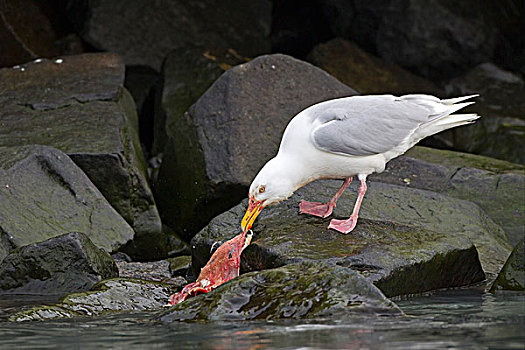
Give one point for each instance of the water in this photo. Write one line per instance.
(446, 320)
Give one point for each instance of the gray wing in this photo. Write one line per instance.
(366, 126)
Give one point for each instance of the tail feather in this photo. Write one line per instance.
(455, 100)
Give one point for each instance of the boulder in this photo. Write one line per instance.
(406, 240)
(512, 275)
(436, 38)
(26, 33)
(110, 296)
(65, 264)
(500, 131)
(186, 74)
(126, 27)
(43, 194)
(366, 73)
(152, 271)
(498, 187)
(78, 105)
(297, 291)
(230, 132)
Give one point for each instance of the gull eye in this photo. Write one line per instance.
(262, 189)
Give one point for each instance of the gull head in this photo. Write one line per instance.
(272, 185)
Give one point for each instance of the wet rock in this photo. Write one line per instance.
(498, 187)
(78, 105)
(366, 73)
(297, 291)
(500, 133)
(186, 74)
(230, 132)
(25, 33)
(436, 38)
(124, 27)
(407, 240)
(512, 275)
(43, 194)
(64, 264)
(151, 271)
(114, 295)
(180, 265)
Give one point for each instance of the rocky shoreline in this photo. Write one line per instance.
(114, 178)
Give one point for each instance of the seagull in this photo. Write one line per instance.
(347, 137)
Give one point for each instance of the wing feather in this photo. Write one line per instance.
(368, 125)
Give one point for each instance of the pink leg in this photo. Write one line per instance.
(345, 226)
(320, 209)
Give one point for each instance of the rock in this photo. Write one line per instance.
(141, 82)
(78, 105)
(43, 194)
(230, 132)
(186, 74)
(180, 265)
(110, 296)
(512, 275)
(25, 33)
(499, 185)
(297, 291)
(297, 26)
(366, 73)
(500, 132)
(65, 264)
(126, 27)
(152, 271)
(435, 38)
(407, 240)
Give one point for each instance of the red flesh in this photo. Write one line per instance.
(224, 265)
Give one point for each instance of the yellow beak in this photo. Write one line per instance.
(254, 209)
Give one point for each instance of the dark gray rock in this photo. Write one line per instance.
(512, 275)
(407, 240)
(110, 296)
(186, 74)
(144, 31)
(498, 187)
(78, 105)
(43, 194)
(180, 265)
(230, 132)
(151, 271)
(500, 133)
(436, 38)
(298, 291)
(366, 73)
(64, 264)
(26, 33)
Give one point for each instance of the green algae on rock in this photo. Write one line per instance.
(512, 275)
(43, 194)
(64, 264)
(403, 235)
(306, 290)
(497, 186)
(109, 296)
(213, 152)
(78, 104)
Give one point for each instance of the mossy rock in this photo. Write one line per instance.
(406, 240)
(43, 194)
(78, 104)
(109, 296)
(497, 186)
(512, 275)
(305, 290)
(60, 265)
(219, 145)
